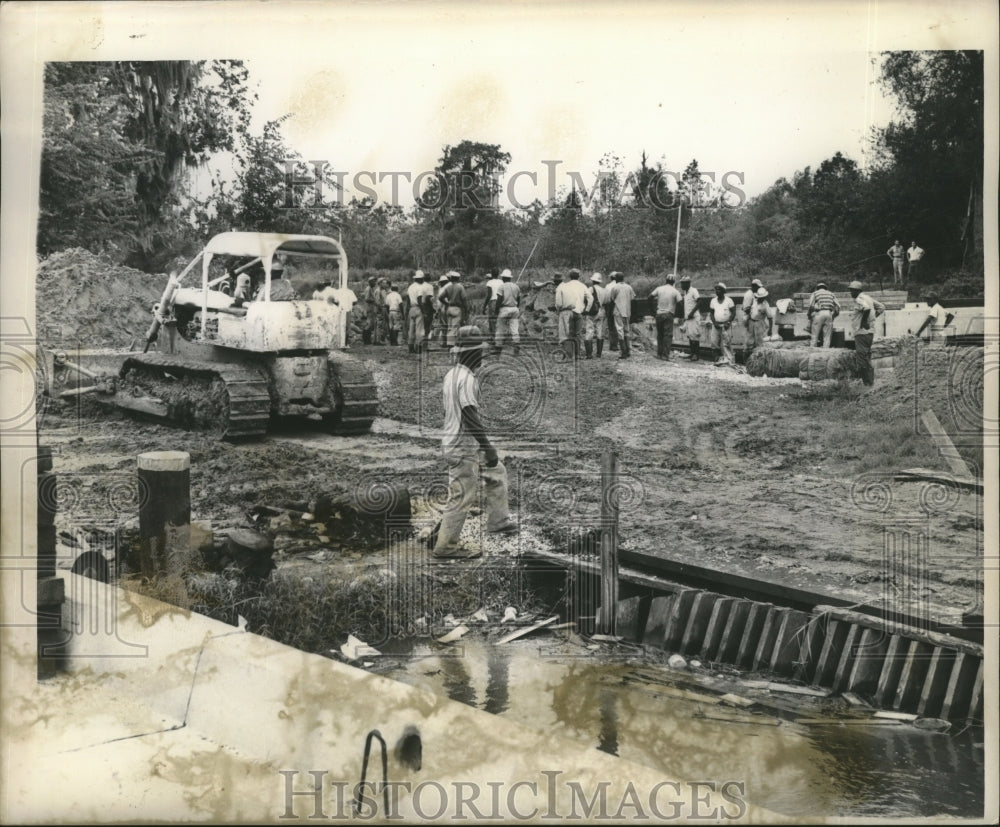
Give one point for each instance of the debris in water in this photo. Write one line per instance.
(480, 616)
(356, 649)
(509, 614)
(453, 635)
(677, 662)
(527, 630)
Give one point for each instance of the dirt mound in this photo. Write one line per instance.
(83, 299)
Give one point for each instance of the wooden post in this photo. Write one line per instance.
(164, 511)
(609, 544)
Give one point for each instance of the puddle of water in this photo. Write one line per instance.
(792, 769)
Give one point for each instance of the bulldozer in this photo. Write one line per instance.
(214, 360)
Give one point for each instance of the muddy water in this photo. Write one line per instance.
(795, 769)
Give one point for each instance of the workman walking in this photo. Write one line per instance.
(468, 452)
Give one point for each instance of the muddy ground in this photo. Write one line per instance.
(774, 478)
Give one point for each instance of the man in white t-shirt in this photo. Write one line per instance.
(463, 440)
(913, 256)
(936, 322)
(721, 310)
(507, 311)
(419, 297)
(493, 285)
(572, 301)
(394, 309)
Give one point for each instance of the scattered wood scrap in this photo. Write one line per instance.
(527, 630)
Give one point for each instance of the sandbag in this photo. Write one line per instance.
(823, 364)
(776, 362)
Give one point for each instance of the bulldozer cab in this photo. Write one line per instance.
(270, 321)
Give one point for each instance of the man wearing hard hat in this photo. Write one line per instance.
(863, 315)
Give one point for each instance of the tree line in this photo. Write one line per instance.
(118, 138)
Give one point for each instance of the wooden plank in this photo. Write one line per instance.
(892, 667)
(944, 445)
(868, 663)
(960, 683)
(701, 611)
(716, 627)
(732, 635)
(142, 404)
(527, 630)
(927, 475)
(936, 683)
(677, 621)
(911, 679)
(656, 620)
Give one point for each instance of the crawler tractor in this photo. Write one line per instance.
(215, 361)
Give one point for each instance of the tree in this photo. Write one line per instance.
(116, 138)
(932, 153)
(463, 196)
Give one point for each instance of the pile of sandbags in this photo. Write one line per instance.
(777, 362)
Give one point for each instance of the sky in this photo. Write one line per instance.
(759, 93)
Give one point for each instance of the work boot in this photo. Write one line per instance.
(589, 347)
(600, 347)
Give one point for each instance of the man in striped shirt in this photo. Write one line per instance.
(823, 309)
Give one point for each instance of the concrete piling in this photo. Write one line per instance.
(892, 668)
(958, 693)
(656, 621)
(868, 662)
(936, 683)
(732, 635)
(752, 630)
(164, 511)
(787, 644)
(677, 621)
(911, 678)
(768, 637)
(698, 617)
(609, 543)
(716, 628)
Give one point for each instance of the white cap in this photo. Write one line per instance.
(419, 274)
(597, 277)
(506, 274)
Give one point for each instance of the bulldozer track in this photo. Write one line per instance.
(358, 397)
(248, 402)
